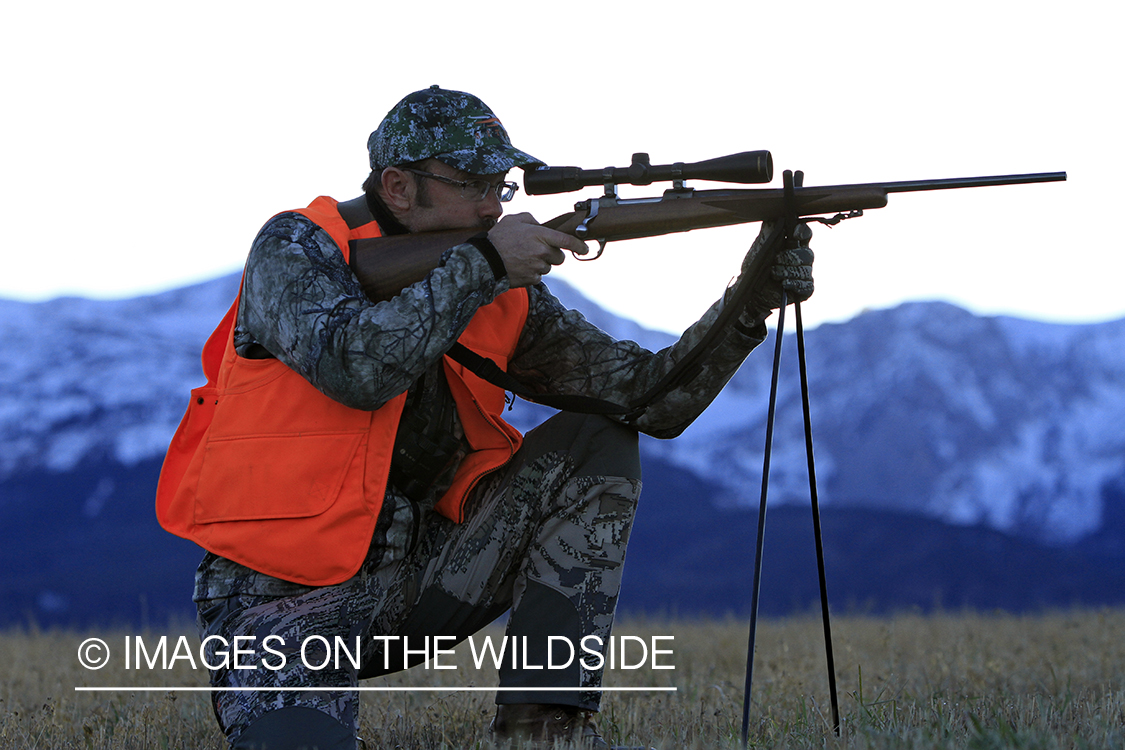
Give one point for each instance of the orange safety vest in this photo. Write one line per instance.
(267, 471)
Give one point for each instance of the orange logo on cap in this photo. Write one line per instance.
(490, 123)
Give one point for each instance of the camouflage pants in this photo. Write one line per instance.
(545, 538)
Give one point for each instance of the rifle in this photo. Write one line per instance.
(386, 265)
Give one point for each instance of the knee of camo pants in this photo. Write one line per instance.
(598, 446)
(590, 467)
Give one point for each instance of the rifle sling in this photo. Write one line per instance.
(488, 370)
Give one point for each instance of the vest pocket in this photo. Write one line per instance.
(279, 476)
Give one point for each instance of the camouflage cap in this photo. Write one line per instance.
(451, 126)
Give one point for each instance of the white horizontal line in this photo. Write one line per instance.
(448, 688)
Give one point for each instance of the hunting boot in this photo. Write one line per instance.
(541, 725)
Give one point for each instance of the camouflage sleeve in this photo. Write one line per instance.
(560, 352)
(303, 304)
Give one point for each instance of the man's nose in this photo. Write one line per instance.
(491, 207)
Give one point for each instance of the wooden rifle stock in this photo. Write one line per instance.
(387, 265)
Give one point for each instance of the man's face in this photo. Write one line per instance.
(439, 205)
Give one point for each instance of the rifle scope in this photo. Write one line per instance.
(746, 168)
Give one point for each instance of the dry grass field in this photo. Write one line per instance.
(910, 681)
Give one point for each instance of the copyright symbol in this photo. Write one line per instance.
(93, 653)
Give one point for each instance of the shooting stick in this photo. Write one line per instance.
(785, 230)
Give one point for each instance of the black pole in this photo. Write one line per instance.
(824, 612)
(757, 583)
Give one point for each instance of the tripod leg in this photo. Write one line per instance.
(816, 519)
(757, 583)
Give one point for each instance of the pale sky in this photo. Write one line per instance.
(145, 143)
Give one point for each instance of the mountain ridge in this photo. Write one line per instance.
(924, 407)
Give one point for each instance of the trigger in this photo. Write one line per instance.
(601, 249)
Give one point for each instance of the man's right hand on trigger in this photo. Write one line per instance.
(529, 250)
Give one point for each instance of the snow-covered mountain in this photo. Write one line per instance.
(924, 408)
(85, 379)
(927, 408)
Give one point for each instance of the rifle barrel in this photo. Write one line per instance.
(910, 186)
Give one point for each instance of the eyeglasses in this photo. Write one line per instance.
(473, 190)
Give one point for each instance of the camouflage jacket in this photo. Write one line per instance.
(302, 304)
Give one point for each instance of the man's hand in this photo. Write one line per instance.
(791, 271)
(529, 250)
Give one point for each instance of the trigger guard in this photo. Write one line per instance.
(584, 258)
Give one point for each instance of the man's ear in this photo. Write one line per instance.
(397, 190)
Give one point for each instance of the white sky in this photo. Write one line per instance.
(145, 143)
